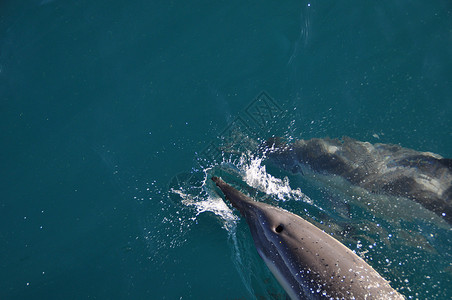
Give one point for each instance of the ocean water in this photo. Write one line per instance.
(114, 114)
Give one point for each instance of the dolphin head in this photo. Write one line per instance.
(307, 262)
(276, 235)
(269, 226)
(268, 219)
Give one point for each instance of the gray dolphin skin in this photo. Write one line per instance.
(307, 262)
(423, 177)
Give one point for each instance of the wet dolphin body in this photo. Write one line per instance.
(307, 262)
(424, 177)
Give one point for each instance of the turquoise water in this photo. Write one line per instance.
(108, 110)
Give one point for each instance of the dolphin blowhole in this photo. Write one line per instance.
(279, 228)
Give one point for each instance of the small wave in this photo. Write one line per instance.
(255, 174)
(249, 169)
(211, 204)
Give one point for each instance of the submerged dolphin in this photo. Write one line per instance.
(306, 261)
(424, 177)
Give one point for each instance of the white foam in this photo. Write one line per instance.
(249, 169)
(211, 204)
(255, 175)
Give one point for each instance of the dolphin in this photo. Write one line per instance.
(423, 177)
(307, 262)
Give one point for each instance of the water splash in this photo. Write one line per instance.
(255, 174)
(211, 204)
(200, 194)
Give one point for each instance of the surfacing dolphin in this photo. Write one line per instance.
(424, 177)
(307, 262)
